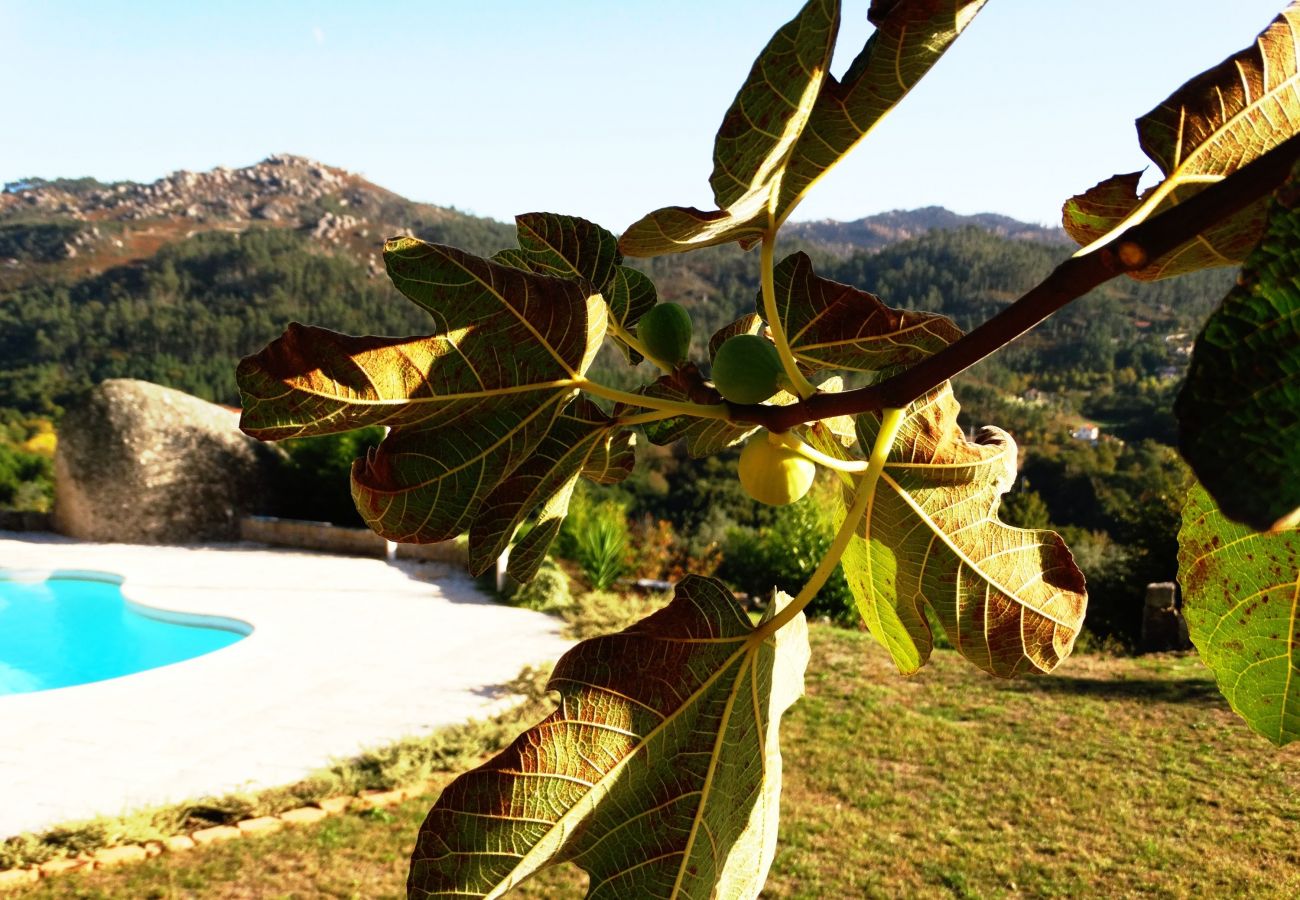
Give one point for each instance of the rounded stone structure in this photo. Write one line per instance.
(145, 464)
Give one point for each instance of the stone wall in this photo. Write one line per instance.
(312, 536)
(13, 520)
(336, 539)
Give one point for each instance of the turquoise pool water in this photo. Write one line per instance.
(60, 631)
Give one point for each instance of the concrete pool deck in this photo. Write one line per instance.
(346, 653)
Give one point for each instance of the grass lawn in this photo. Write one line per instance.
(1118, 777)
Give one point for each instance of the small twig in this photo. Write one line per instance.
(1130, 251)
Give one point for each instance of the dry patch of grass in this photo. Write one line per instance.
(1116, 777)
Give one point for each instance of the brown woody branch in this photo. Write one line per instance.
(1132, 250)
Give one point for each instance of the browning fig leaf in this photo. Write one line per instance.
(1010, 599)
(567, 246)
(750, 323)
(1207, 129)
(583, 441)
(834, 325)
(463, 415)
(792, 120)
(570, 247)
(1239, 409)
(1241, 597)
(659, 774)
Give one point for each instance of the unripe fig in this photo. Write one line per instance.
(747, 369)
(772, 473)
(666, 332)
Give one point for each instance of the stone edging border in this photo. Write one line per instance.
(122, 854)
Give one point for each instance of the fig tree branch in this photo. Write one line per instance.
(1132, 250)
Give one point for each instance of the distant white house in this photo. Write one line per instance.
(1087, 432)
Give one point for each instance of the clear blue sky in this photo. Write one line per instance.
(600, 109)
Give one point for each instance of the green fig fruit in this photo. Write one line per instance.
(747, 369)
(665, 331)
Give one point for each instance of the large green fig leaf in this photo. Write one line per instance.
(1206, 130)
(462, 414)
(583, 441)
(792, 120)
(570, 247)
(1241, 598)
(1010, 599)
(832, 324)
(1239, 410)
(659, 774)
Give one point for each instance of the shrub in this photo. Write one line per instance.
(660, 553)
(548, 591)
(595, 536)
(785, 554)
(26, 479)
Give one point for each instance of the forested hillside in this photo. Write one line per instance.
(174, 282)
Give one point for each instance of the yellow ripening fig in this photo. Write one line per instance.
(774, 474)
(666, 332)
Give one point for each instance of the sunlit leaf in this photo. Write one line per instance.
(1010, 599)
(659, 774)
(612, 458)
(1239, 410)
(900, 627)
(834, 435)
(463, 414)
(1206, 130)
(792, 121)
(1241, 598)
(829, 324)
(570, 247)
(582, 438)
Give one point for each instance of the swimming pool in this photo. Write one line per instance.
(65, 628)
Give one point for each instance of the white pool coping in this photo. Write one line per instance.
(346, 653)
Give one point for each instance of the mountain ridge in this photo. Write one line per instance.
(85, 226)
(878, 231)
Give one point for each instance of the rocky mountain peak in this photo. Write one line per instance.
(97, 225)
(275, 189)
